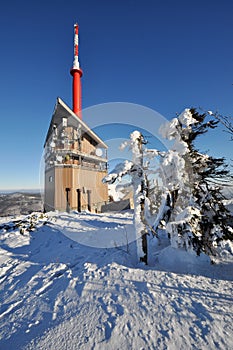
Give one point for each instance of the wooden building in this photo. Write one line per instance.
(75, 164)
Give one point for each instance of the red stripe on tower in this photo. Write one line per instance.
(76, 73)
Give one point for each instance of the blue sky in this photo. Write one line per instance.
(166, 55)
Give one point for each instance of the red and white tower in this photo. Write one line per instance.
(77, 73)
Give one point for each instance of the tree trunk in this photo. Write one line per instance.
(139, 201)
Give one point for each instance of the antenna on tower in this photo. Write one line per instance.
(76, 73)
(76, 61)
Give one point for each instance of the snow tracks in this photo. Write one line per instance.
(58, 294)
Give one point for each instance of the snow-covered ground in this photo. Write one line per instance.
(88, 292)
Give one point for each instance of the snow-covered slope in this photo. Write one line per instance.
(57, 293)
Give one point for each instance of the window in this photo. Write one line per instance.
(50, 179)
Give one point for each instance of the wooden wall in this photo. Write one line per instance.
(83, 179)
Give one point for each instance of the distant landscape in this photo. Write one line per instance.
(21, 202)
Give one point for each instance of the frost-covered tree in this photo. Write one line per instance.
(206, 190)
(139, 182)
(174, 175)
(199, 218)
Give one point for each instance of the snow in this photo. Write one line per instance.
(186, 118)
(169, 129)
(113, 191)
(118, 172)
(62, 293)
(135, 135)
(180, 147)
(172, 170)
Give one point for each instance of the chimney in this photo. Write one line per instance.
(76, 73)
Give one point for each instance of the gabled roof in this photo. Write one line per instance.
(61, 110)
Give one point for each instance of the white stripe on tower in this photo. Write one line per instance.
(76, 61)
